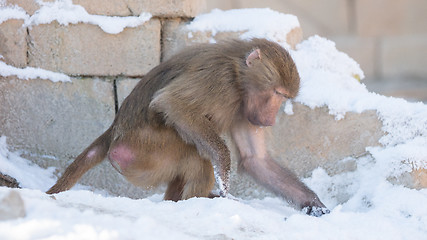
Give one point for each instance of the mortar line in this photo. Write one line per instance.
(116, 99)
(378, 64)
(162, 26)
(28, 42)
(352, 15)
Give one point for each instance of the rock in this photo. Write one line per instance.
(124, 87)
(11, 206)
(8, 181)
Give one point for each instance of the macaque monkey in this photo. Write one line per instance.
(168, 129)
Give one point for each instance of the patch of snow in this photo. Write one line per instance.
(328, 79)
(12, 12)
(255, 23)
(65, 12)
(32, 73)
(28, 174)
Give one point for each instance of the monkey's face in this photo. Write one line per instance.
(260, 108)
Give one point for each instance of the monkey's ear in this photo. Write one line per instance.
(255, 54)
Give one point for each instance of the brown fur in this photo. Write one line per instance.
(169, 127)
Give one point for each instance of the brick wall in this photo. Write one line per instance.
(387, 38)
(51, 123)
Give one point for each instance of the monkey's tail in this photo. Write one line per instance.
(89, 158)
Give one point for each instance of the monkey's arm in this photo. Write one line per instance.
(198, 130)
(256, 161)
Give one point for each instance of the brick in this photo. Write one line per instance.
(30, 6)
(419, 178)
(362, 50)
(391, 18)
(319, 15)
(124, 87)
(58, 119)
(404, 56)
(373, 20)
(416, 179)
(307, 146)
(416, 17)
(107, 7)
(411, 89)
(294, 37)
(13, 45)
(84, 49)
(160, 8)
(176, 37)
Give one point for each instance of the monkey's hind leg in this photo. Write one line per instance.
(89, 158)
(195, 178)
(175, 189)
(199, 178)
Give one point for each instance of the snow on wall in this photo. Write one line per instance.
(31, 73)
(65, 12)
(254, 23)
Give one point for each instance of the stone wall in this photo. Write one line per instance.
(51, 123)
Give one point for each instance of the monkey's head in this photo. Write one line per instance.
(270, 77)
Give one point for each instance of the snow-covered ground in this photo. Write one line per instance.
(363, 203)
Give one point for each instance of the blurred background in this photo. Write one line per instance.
(388, 38)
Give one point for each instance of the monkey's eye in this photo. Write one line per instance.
(280, 94)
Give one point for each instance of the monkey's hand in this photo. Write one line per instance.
(223, 188)
(315, 211)
(222, 178)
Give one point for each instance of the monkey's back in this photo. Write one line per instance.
(203, 80)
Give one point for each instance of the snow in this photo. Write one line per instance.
(375, 209)
(261, 23)
(363, 203)
(65, 12)
(13, 12)
(31, 73)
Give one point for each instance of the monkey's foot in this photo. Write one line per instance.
(213, 195)
(315, 211)
(218, 195)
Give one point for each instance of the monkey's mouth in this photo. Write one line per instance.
(267, 122)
